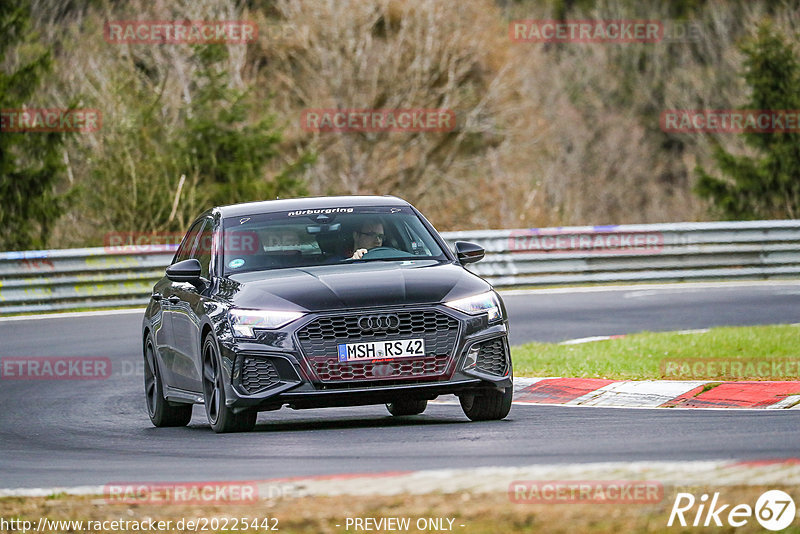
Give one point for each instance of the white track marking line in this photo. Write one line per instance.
(582, 340)
(677, 286)
(712, 474)
(69, 315)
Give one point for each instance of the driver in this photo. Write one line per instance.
(368, 236)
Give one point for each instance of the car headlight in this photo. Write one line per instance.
(483, 303)
(244, 321)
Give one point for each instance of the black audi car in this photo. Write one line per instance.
(316, 302)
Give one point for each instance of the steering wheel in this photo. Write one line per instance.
(385, 252)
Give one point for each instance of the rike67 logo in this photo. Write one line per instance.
(774, 510)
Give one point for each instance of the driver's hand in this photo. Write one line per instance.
(358, 253)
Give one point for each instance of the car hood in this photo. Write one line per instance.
(359, 285)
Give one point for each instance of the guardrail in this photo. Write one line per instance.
(51, 280)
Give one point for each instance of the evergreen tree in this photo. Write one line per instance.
(220, 142)
(30, 162)
(767, 186)
(228, 154)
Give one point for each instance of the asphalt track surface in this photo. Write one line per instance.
(72, 433)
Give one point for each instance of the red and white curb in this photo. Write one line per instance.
(715, 473)
(657, 393)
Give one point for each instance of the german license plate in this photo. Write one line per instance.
(377, 350)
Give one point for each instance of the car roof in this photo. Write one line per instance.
(292, 204)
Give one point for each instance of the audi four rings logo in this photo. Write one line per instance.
(378, 322)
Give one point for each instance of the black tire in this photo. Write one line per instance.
(221, 418)
(407, 407)
(491, 405)
(162, 413)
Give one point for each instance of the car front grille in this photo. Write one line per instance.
(320, 339)
(258, 374)
(492, 358)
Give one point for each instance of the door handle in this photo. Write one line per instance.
(157, 297)
(174, 299)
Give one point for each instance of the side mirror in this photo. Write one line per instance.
(468, 252)
(186, 271)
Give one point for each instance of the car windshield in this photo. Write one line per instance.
(326, 236)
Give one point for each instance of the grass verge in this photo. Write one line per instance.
(725, 353)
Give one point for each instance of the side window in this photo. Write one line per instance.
(202, 252)
(185, 250)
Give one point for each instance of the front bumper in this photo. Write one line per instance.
(279, 369)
